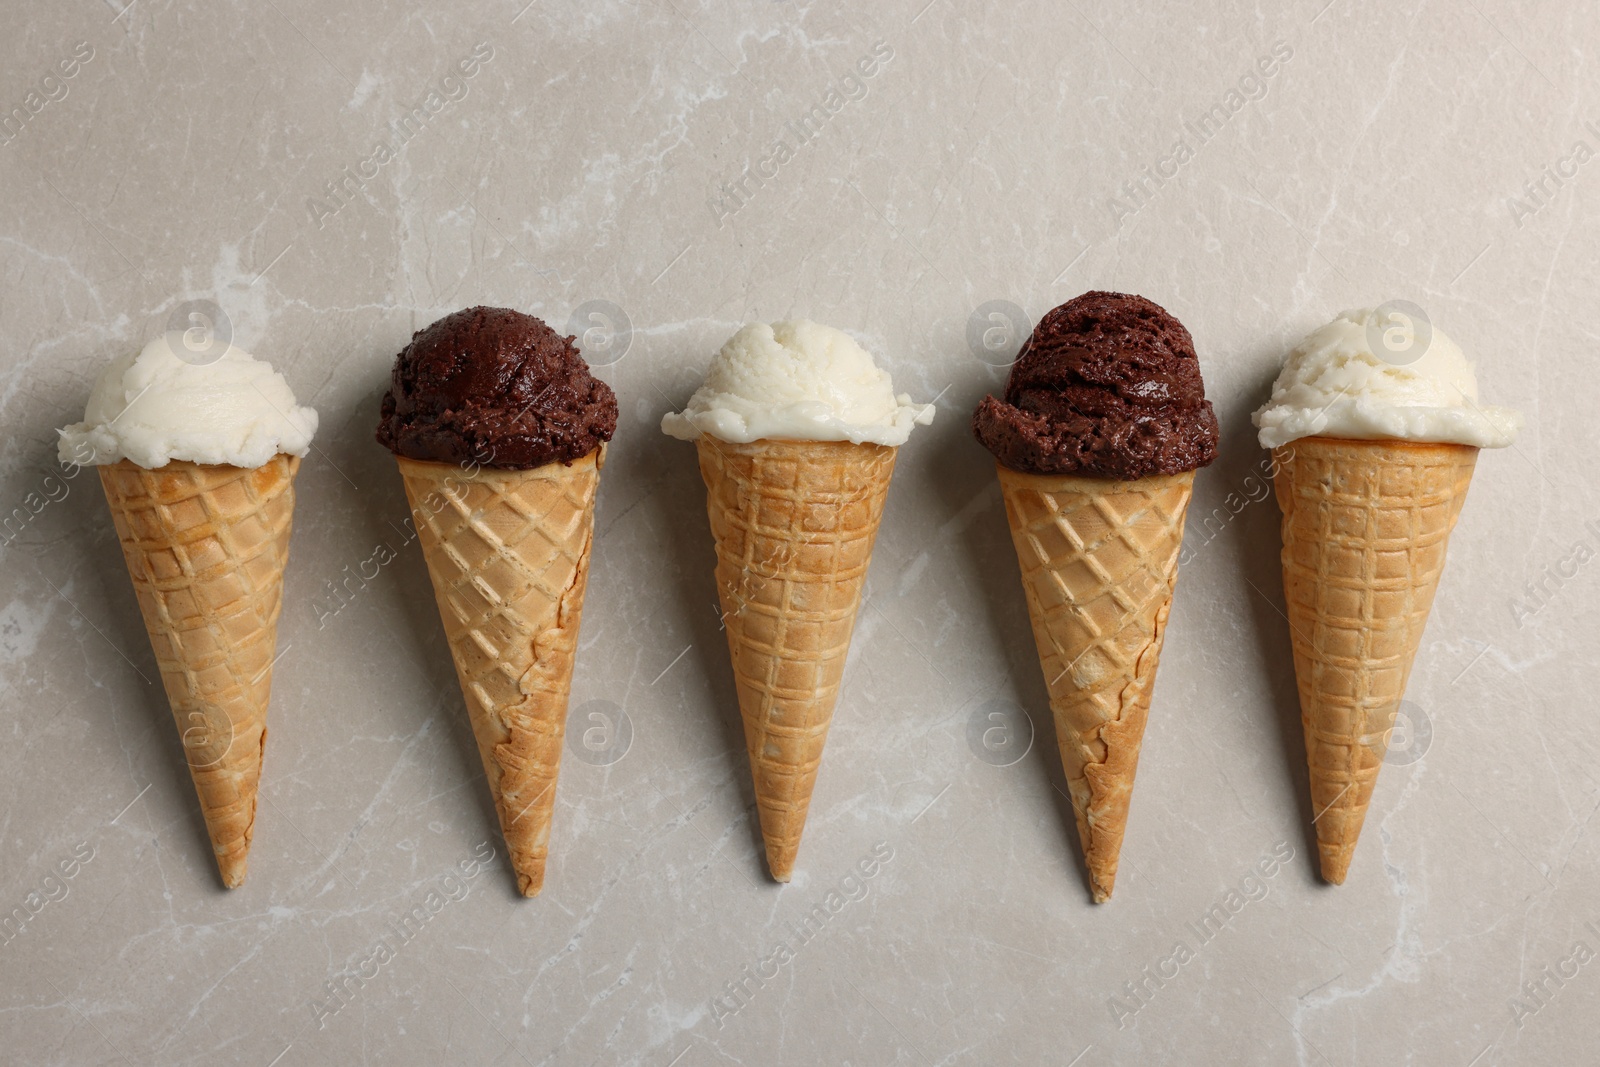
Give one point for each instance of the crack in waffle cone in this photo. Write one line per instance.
(206, 547)
(1099, 562)
(794, 523)
(508, 554)
(1365, 528)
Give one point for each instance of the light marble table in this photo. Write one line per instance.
(598, 152)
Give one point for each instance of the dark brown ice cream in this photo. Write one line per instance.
(1108, 386)
(495, 387)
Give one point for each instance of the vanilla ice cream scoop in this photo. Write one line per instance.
(796, 381)
(1420, 387)
(154, 407)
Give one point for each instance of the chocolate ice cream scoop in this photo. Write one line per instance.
(1108, 386)
(495, 387)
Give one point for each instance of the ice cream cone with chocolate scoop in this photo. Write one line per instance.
(1103, 423)
(499, 431)
(797, 431)
(198, 460)
(1375, 430)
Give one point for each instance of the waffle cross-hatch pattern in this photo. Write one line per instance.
(508, 553)
(1099, 563)
(794, 524)
(1365, 528)
(206, 548)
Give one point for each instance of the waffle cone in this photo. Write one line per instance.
(1365, 527)
(1099, 561)
(206, 547)
(794, 523)
(508, 552)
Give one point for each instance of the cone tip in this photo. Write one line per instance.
(1334, 869)
(1101, 883)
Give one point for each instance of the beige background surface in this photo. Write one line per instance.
(582, 162)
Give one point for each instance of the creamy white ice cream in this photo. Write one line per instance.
(1418, 388)
(153, 407)
(796, 381)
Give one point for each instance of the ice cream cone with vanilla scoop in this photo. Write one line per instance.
(1375, 426)
(797, 430)
(197, 451)
(1096, 440)
(499, 431)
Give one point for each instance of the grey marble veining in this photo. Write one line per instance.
(333, 178)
